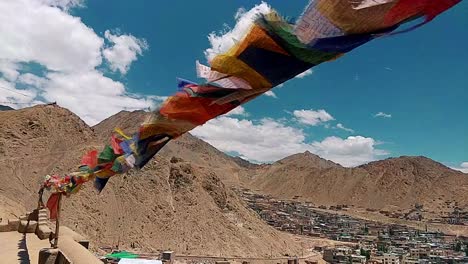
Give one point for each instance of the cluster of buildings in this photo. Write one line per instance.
(457, 216)
(372, 242)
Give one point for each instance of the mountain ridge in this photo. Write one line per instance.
(173, 203)
(6, 108)
(387, 184)
(185, 189)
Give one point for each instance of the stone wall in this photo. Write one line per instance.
(72, 247)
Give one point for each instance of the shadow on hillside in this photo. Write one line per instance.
(23, 254)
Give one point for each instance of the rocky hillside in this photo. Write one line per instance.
(174, 202)
(35, 142)
(230, 170)
(388, 184)
(182, 199)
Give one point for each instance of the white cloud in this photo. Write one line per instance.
(269, 140)
(223, 41)
(20, 97)
(9, 70)
(64, 4)
(91, 95)
(32, 80)
(47, 36)
(124, 51)
(312, 117)
(238, 111)
(341, 126)
(383, 115)
(69, 52)
(348, 152)
(271, 94)
(305, 74)
(463, 167)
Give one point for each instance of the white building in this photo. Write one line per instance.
(389, 258)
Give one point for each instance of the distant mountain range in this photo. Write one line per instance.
(5, 108)
(182, 199)
(395, 183)
(179, 201)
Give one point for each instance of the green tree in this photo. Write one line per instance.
(458, 246)
(381, 248)
(366, 230)
(365, 253)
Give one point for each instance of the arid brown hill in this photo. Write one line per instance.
(35, 142)
(182, 200)
(396, 183)
(187, 147)
(177, 202)
(391, 184)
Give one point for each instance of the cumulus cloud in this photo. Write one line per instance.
(32, 80)
(265, 140)
(70, 54)
(223, 41)
(48, 36)
(271, 94)
(93, 96)
(383, 115)
(64, 4)
(463, 167)
(348, 152)
(238, 111)
(9, 93)
(9, 70)
(312, 117)
(269, 140)
(342, 127)
(124, 51)
(305, 74)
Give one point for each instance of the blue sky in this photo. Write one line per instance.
(419, 78)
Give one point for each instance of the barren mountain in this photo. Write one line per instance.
(35, 142)
(230, 170)
(181, 200)
(396, 183)
(173, 203)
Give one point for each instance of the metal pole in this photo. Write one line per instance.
(57, 221)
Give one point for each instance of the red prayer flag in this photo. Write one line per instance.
(52, 205)
(405, 9)
(90, 159)
(115, 142)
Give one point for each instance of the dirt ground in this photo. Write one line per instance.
(19, 248)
